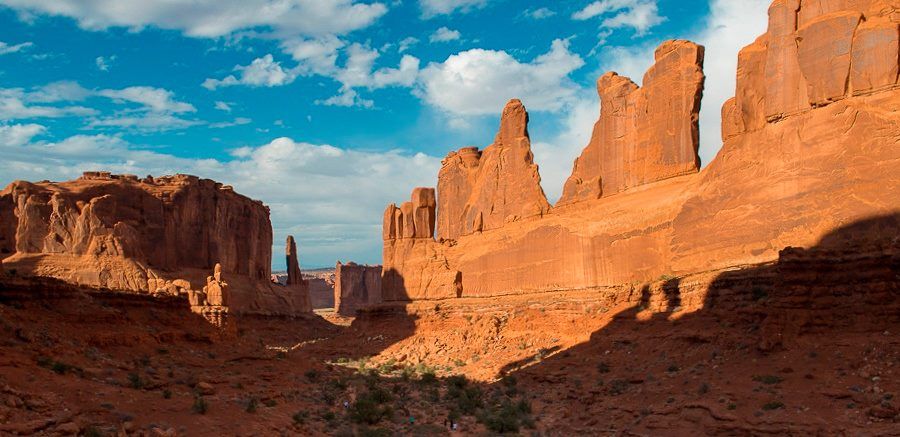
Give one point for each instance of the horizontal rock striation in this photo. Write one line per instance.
(356, 287)
(484, 190)
(644, 134)
(810, 146)
(141, 235)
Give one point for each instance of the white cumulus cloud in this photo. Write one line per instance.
(480, 82)
(728, 28)
(212, 18)
(320, 193)
(444, 34)
(153, 99)
(261, 72)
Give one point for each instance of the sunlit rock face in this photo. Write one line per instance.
(644, 134)
(810, 145)
(142, 235)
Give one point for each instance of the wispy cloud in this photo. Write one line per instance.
(639, 15)
(7, 48)
(433, 8)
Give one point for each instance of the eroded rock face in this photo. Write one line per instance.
(810, 146)
(294, 277)
(480, 191)
(356, 287)
(412, 251)
(297, 286)
(141, 235)
(644, 134)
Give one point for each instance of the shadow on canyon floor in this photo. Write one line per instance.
(803, 345)
(808, 344)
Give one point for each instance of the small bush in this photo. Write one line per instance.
(92, 431)
(775, 405)
(468, 398)
(311, 374)
(768, 379)
(270, 403)
(56, 366)
(136, 381)
(300, 417)
(704, 388)
(428, 378)
(506, 417)
(618, 386)
(367, 410)
(673, 368)
(200, 406)
(167, 394)
(252, 404)
(758, 293)
(603, 368)
(365, 431)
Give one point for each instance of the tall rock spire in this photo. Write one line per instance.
(485, 190)
(293, 262)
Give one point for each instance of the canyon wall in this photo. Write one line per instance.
(142, 235)
(356, 287)
(643, 134)
(810, 145)
(484, 190)
(321, 289)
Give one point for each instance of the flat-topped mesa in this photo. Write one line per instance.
(356, 287)
(483, 191)
(816, 52)
(142, 235)
(644, 134)
(412, 220)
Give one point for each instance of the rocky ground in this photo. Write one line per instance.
(98, 363)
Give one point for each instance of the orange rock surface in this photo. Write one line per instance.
(356, 287)
(480, 191)
(644, 134)
(142, 235)
(809, 145)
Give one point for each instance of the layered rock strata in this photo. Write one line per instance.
(356, 287)
(483, 190)
(142, 235)
(416, 262)
(644, 134)
(296, 285)
(810, 145)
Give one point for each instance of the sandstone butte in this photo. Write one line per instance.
(356, 287)
(810, 144)
(152, 235)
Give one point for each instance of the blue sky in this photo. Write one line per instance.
(327, 110)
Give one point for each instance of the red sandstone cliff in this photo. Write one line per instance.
(142, 235)
(644, 134)
(479, 191)
(356, 287)
(810, 144)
